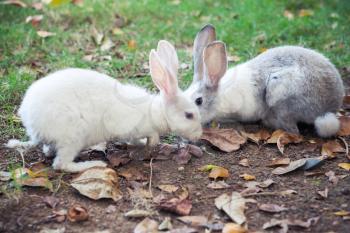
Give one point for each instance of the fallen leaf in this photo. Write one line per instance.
(165, 224)
(207, 168)
(177, 206)
(77, 213)
(97, 36)
(38, 170)
(98, 182)
(306, 13)
(283, 138)
(45, 34)
(35, 182)
(346, 102)
(131, 44)
(183, 156)
(146, 226)
(233, 206)
(323, 193)
(261, 135)
(345, 166)
(34, 20)
(247, 177)
(15, 3)
(289, 15)
(218, 172)
(5, 176)
(286, 222)
(133, 174)
(306, 163)
(195, 150)
(116, 159)
(342, 213)
(330, 148)
(344, 126)
(288, 192)
(332, 177)
(244, 163)
(218, 185)
(183, 230)
(59, 215)
(279, 162)
(106, 44)
(37, 6)
(233, 228)
(271, 208)
(169, 188)
(137, 213)
(266, 183)
(194, 220)
(227, 140)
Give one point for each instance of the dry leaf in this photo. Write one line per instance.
(166, 224)
(332, 177)
(51, 201)
(195, 150)
(218, 172)
(15, 3)
(5, 176)
(271, 208)
(342, 213)
(182, 156)
(247, 177)
(98, 182)
(146, 226)
(45, 34)
(344, 126)
(218, 185)
(323, 193)
(244, 163)
(233, 228)
(279, 162)
(35, 182)
(137, 213)
(283, 138)
(116, 159)
(169, 188)
(38, 170)
(131, 44)
(133, 174)
(330, 148)
(207, 168)
(106, 44)
(306, 12)
(233, 206)
(34, 20)
(346, 102)
(59, 216)
(288, 192)
(227, 140)
(176, 205)
(345, 166)
(266, 183)
(289, 15)
(286, 222)
(77, 213)
(261, 135)
(306, 164)
(194, 220)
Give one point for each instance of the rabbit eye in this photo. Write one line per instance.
(199, 101)
(189, 115)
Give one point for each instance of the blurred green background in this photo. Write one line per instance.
(115, 37)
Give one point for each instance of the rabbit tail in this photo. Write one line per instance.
(327, 125)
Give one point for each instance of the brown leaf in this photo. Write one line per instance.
(323, 193)
(330, 148)
(233, 228)
(59, 215)
(195, 150)
(131, 44)
(35, 182)
(227, 140)
(38, 169)
(346, 102)
(45, 34)
(218, 185)
(345, 166)
(291, 167)
(244, 163)
(286, 222)
(344, 126)
(261, 135)
(247, 177)
(133, 174)
(177, 206)
(194, 220)
(146, 226)
(137, 213)
(169, 188)
(289, 15)
(233, 206)
(306, 13)
(219, 172)
(272, 208)
(283, 138)
(34, 20)
(77, 213)
(332, 177)
(15, 3)
(279, 162)
(116, 159)
(266, 183)
(98, 182)
(183, 156)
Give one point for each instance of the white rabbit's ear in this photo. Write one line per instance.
(167, 53)
(162, 78)
(215, 62)
(205, 36)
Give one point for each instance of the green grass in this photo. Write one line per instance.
(25, 57)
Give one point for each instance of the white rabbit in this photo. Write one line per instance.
(73, 109)
(282, 86)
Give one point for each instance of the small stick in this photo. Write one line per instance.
(150, 178)
(346, 147)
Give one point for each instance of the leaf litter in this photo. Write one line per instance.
(227, 140)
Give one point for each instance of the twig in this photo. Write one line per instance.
(22, 156)
(262, 194)
(150, 178)
(346, 147)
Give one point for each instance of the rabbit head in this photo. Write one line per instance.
(210, 65)
(181, 113)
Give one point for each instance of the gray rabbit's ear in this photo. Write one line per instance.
(205, 36)
(215, 63)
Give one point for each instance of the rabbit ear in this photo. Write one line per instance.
(167, 54)
(162, 78)
(215, 62)
(205, 36)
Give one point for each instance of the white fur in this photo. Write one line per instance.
(327, 125)
(73, 109)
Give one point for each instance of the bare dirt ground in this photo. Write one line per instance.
(26, 212)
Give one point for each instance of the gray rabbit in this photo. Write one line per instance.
(282, 86)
